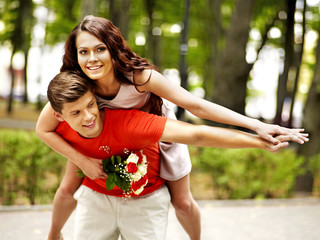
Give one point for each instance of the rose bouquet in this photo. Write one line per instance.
(128, 173)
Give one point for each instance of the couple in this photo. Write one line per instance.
(96, 50)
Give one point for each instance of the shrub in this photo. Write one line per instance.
(25, 162)
(314, 167)
(250, 173)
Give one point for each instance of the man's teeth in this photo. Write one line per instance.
(89, 124)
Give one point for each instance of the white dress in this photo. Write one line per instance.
(175, 159)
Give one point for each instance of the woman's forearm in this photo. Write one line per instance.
(45, 129)
(214, 112)
(217, 113)
(61, 146)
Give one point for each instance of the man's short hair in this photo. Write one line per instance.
(67, 87)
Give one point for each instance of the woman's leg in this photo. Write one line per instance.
(64, 203)
(186, 208)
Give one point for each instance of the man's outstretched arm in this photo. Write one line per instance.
(206, 136)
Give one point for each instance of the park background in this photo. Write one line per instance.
(257, 57)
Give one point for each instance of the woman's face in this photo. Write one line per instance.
(93, 56)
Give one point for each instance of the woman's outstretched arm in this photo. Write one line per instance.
(165, 88)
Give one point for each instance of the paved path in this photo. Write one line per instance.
(291, 219)
(20, 124)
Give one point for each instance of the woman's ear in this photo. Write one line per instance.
(58, 116)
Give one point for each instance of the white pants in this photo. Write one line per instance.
(102, 217)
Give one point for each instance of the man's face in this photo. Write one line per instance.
(83, 116)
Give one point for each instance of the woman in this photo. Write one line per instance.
(124, 80)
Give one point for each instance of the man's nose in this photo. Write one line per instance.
(87, 115)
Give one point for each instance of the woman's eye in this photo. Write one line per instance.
(82, 52)
(101, 49)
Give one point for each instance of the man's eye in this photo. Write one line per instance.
(75, 113)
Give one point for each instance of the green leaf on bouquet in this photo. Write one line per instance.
(80, 173)
(125, 184)
(117, 180)
(112, 160)
(110, 181)
(108, 166)
(118, 159)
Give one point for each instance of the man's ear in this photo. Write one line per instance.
(58, 116)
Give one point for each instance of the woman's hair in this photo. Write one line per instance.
(124, 59)
(67, 87)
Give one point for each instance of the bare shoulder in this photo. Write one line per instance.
(141, 77)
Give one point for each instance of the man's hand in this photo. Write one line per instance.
(92, 168)
(269, 131)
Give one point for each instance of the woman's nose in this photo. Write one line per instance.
(93, 57)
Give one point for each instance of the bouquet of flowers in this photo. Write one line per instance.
(128, 173)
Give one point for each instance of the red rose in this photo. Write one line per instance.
(131, 168)
(138, 184)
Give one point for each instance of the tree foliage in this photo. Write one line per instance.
(62, 18)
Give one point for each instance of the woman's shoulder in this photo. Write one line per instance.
(141, 77)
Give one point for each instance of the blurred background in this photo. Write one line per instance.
(260, 58)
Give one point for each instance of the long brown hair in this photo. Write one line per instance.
(124, 59)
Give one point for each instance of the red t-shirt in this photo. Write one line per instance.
(123, 129)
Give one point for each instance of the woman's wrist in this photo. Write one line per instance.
(77, 158)
(255, 125)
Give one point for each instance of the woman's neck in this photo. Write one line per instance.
(107, 87)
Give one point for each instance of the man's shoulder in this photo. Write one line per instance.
(63, 128)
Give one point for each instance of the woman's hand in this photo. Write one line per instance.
(283, 142)
(92, 168)
(270, 131)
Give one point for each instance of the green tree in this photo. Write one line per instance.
(18, 21)
(311, 122)
(289, 58)
(64, 16)
(231, 73)
(119, 15)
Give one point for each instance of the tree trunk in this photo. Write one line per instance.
(88, 7)
(183, 69)
(20, 40)
(298, 65)
(231, 73)
(288, 61)
(119, 14)
(311, 123)
(215, 30)
(10, 100)
(25, 77)
(153, 49)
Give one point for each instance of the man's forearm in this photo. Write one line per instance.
(201, 135)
